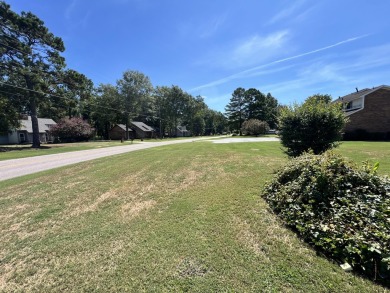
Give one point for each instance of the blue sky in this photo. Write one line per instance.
(292, 49)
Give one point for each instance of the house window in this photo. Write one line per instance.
(353, 105)
(22, 137)
(348, 106)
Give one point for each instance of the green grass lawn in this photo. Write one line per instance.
(360, 151)
(177, 218)
(8, 152)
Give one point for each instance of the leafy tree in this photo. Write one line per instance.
(320, 98)
(236, 109)
(72, 129)
(198, 125)
(315, 125)
(104, 109)
(194, 106)
(254, 127)
(215, 121)
(76, 86)
(170, 105)
(30, 58)
(134, 90)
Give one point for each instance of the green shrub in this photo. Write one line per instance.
(254, 127)
(342, 210)
(315, 125)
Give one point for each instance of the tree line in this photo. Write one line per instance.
(35, 80)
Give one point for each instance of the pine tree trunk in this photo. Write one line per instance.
(35, 127)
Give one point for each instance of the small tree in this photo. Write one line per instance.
(315, 125)
(71, 130)
(255, 127)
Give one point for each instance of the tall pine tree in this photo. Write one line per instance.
(236, 110)
(30, 58)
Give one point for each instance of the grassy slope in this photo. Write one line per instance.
(175, 218)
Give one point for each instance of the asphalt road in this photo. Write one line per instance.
(19, 167)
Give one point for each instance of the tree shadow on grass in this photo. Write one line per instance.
(11, 149)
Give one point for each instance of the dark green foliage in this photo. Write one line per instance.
(255, 127)
(344, 211)
(315, 125)
(251, 104)
(199, 125)
(9, 112)
(236, 109)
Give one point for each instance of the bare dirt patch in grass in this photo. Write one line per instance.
(189, 268)
(107, 196)
(133, 209)
(249, 239)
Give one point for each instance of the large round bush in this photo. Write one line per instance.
(72, 130)
(315, 125)
(343, 210)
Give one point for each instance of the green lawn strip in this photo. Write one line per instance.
(178, 218)
(359, 151)
(16, 151)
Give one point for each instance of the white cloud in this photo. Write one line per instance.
(200, 28)
(336, 75)
(287, 12)
(252, 50)
(259, 69)
(69, 10)
(258, 48)
(77, 17)
(212, 26)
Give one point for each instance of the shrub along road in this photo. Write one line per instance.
(24, 166)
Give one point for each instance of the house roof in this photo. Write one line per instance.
(358, 94)
(123, 126)
(43, 124)
(142, 126)
(182, 128)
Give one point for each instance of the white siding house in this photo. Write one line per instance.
(23, 134)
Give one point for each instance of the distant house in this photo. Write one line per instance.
(118, 132)
(368, 111)
(24, 134)
(181, 131)
(142, 130)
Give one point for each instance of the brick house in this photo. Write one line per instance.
(142, 130)
(368, 111)
(136, 130)
(118, 132)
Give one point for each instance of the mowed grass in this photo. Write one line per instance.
(360, 151)
(185, 217)
(8, 152)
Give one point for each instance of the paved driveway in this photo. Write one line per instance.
(19, 167)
